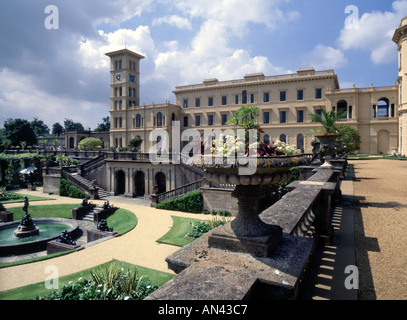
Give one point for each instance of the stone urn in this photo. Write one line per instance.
(327, 147)
(247, 232)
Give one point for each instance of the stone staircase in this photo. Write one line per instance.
(101, 192)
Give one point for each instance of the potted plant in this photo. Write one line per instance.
(327, 134)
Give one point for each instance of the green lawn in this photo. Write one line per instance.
(39, 289)
(176, 235)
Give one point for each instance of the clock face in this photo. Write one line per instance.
(118, 76)
(132, 78)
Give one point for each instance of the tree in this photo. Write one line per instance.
(328, 121)
(351, 137)
(105, 125)
(90, 144)
(39, 127)
(57, 129)
(135, 144)
(69, 125)
(19, 130)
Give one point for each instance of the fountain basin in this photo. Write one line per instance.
(49, 229)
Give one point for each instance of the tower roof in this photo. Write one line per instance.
(124, 52)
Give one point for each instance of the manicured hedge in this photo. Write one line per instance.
(191, 202)
(68, 190)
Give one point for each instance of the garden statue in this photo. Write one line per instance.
(27, 227)
(66, 238)
(103, 226)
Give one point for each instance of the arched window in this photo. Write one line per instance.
(343, 107)
(283, 138)
(159, 119)
(383, 106)
(244, 97)
(300, 141)
(138, 121)
(266, 139)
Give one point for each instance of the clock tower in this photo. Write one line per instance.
(124, 93)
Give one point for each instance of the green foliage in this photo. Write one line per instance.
(111, 283)
(351, 136)
(69, 125)
(17, 131)
(191, 202)
(135, 144)
(90, 144)
(57, 129)
(328, 120)
(245, 117)
(105, 125)
(68, 190)
(6, 196)
(199, 228)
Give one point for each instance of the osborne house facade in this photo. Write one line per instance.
(285, 102)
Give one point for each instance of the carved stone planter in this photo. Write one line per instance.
(247, 232)
(327, 148)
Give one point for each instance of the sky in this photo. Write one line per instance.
(53, 64)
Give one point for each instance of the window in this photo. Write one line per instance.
(236, 99)
(224, 100)
(318, 93)
(283, 138)
(350, 112)
(210, 101)
(392, 110)
(159, 119)
(197, 120)
(266, 117)
(283, 116)
(300, 141)
(138, 121)
(266, 97)
(252, 98)
(185, 104)
(224, 119)
(342, 106)
(374, 111)
(383, 108)
(266, 139)
(300, 94)
(300, 115)
(244, 97)
(210, 120)
(318, 112)
(197, 102)
(186, 121)
(283, 95)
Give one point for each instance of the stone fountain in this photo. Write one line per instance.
(27, 228)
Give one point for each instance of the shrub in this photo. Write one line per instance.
(111, 283)
(68, 190)
(191, 202)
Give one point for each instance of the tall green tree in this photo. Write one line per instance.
(18, 131)
(105, 125)
(69, 125)
(57, 129)
(39, 127)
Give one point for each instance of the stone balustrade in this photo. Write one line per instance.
(304, 214)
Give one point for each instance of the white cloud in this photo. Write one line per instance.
(173, 20)
(92, 52)
(22, 99)
(374, 32)
(323, 57)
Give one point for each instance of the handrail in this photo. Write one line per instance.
(177, 192)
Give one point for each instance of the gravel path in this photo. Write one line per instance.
(380, 191)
